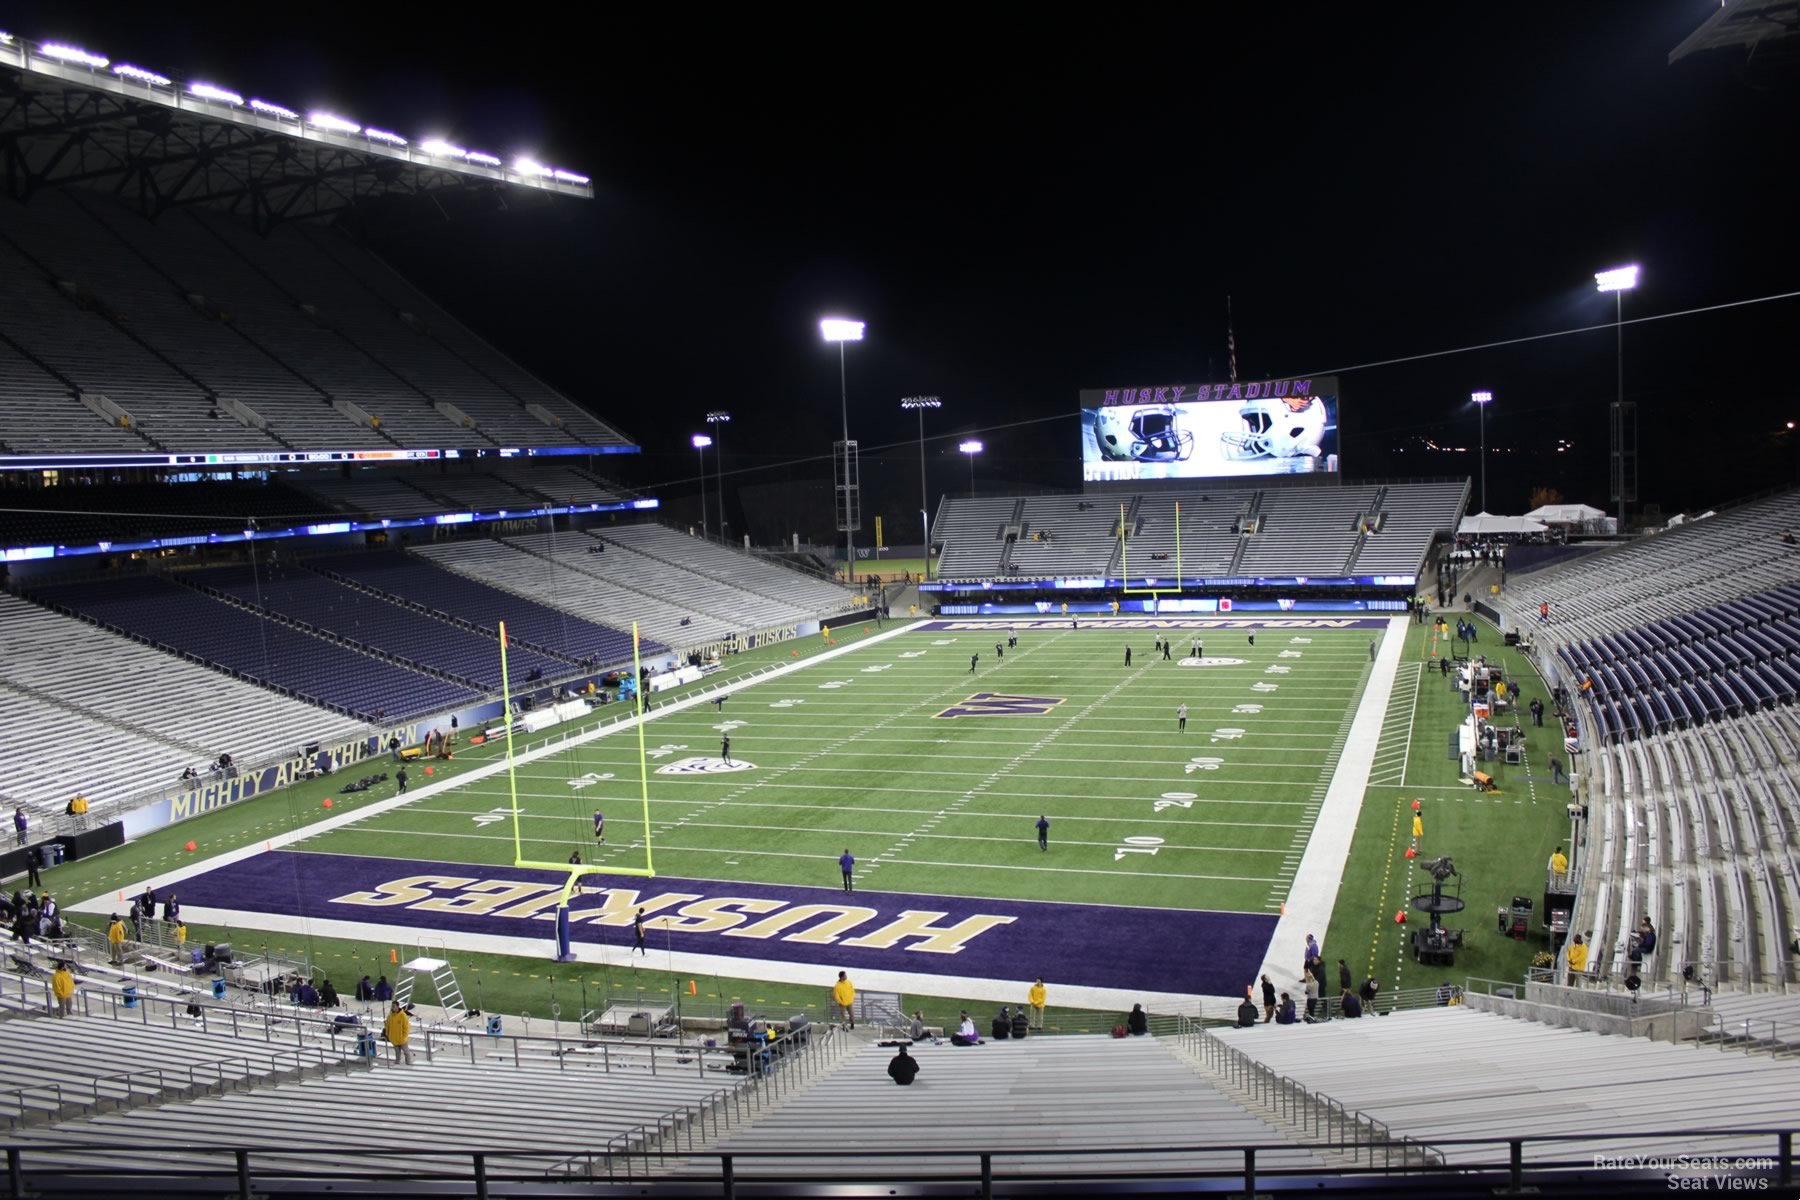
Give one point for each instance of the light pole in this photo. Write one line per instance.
(1618, 281)
(839, 330)
(919, 404)
(1482, 400)
(970, 448)
(714, 420)
(701, 442)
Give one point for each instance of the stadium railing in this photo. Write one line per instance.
(1507, 1171)
(308, 1028)
(1356, 1134)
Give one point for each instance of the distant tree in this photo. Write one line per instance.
(1545, 495)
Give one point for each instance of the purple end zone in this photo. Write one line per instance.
(1323, 621)
(1157, 949)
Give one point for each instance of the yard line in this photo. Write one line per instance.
(596, 793)
(932, 811)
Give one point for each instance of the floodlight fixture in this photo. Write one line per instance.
(127, 71)
(383, 135)
(485, 160)
(701, 441)
(717, 416)
(442, 149)
(63, 52)
(911, 402)
(1618, 279)
(207, 91)
(563, 176)
(526, 166)
(6, 39)
(837, 329)
(273, 110)
(325, 120)
(970, 448)
(1482, 400)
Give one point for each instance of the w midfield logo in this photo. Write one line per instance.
(999, 704)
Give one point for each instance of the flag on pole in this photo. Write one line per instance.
(1230, 340)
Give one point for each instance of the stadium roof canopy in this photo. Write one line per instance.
(72, 118)
(1757, 29)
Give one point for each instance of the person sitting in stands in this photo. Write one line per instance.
(1246, 1014)
(328, 997)
(1138, 1022)
(384, 991)
(965, 1034)
(1021, 1024)
(1351, 1006)
(918, 1026)
(1002, 1025)
(1287, 1013)
(364, 989)
(307, 995)
(903, 1068)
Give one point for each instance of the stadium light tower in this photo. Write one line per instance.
(701, 442)
(970, 448)
(1482, 400)
(919, 404)
(1618, 281)
(715, 419)
(849, 506)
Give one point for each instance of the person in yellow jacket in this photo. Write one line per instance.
(1037, 995)
(398, 1029)
(115, 937)
(62, 986)
(843, 995)
(1559, 863)
(1578, 959)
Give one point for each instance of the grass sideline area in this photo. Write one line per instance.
(1501, 841)
(1137, 721)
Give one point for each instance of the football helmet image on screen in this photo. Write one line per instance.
(1143, 434)
(1277, 427)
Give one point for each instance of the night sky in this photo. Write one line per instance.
(1021, 208)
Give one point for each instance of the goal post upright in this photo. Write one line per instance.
(1125, 564)
(637, 665)
(575, 871)
(512, 777)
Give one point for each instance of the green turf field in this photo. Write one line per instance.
(1098, 781)
(853, 753)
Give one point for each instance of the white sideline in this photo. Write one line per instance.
(1314, 894)
(104, 904)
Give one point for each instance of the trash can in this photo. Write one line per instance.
(131, 996)
(493, 1025)
(53, 854)
(365, 1044)
(218, 989)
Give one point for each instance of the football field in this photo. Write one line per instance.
(1168, 857)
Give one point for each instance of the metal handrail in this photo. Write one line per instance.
(1487, 1164)
(19, 1094)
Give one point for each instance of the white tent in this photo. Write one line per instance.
(1482, 523)
(1566, 514)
